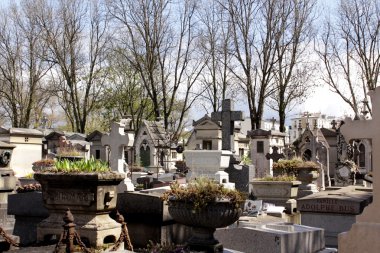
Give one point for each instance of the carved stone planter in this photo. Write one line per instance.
(276, 192)
(307, 176)
(90, 197)
(204, 222)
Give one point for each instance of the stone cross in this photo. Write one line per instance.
(275, 156)
(333, 124)
(228, 117)
(368, 222)
(307, 114)
(117, 140)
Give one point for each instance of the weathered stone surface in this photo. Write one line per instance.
(341, 202)
(90, 197)
(333, 210)
(272, 238)
(276, 192)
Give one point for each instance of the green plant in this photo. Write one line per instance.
(201, 192)
(90, 165)
(28, 176)
(293, 166)
(246, 160)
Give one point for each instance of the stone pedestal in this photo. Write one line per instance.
(7, 186)
(89, 196)
(334, 210)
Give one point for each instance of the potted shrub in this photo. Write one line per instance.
(88, 189)
(304, 171)
(204, 205)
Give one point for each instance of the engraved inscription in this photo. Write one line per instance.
(329, 206)
(70, 197)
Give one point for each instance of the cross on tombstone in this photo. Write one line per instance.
(116, 140)
(333, 124)
(275, 156)
(227, 117)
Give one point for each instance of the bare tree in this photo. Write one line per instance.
(22, 66)
(215, 43)
(77, 35)
(293, 67)
(160, 42)
(349, 49)
(253, 33)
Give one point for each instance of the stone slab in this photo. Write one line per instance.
(272, 238)
(349, 200)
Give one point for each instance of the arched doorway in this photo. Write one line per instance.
(306, 156)
(145, 155)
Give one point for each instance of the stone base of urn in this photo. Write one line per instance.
(89, 196)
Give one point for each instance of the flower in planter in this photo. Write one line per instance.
(201, 192)
(293, 166)
(78, 166)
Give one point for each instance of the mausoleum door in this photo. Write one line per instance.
(145, 156)
(306, 156)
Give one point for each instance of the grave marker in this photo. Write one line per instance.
(117, 140)
(227, 117)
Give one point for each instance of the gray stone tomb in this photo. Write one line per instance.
(334, 210)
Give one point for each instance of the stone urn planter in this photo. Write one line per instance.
(280, 193)
(205, 221)
(89, 196)
(307, 175)
(204, 205)
(304, 171)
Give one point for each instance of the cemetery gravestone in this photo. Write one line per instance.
(365, 233)
(117, 140)
(227, 117)
(333, 210)
(264, 146)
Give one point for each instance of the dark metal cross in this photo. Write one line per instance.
(227, 117)
(275, 156)
(334, 123)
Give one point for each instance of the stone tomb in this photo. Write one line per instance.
(265, 145)
(271, 238)
(334, 210)
(206, 162)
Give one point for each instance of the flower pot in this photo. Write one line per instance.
(205, 221)
(307, 176)
(89, 196)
